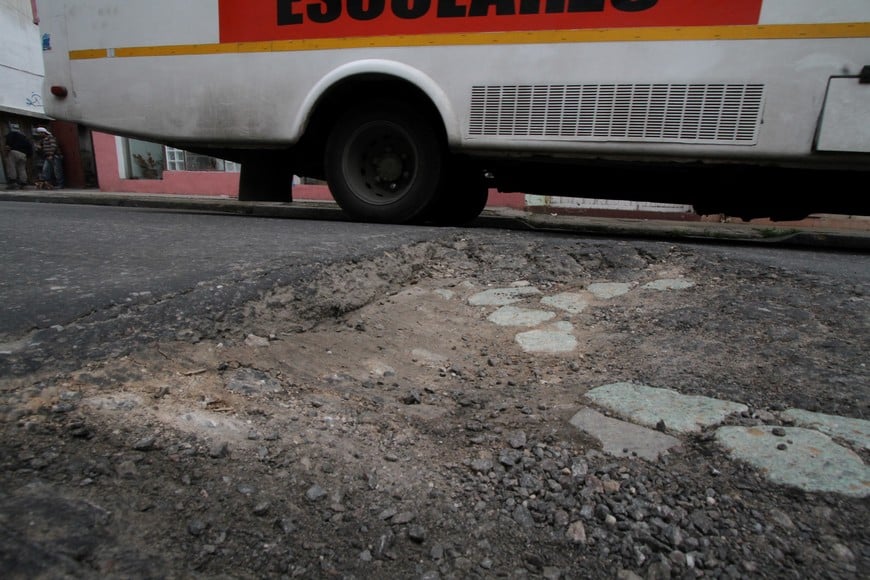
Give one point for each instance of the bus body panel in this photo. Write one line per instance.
(741, 93)
(263, 97)
(800, 12)
(841, 127)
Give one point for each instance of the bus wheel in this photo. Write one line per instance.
(462, 196)
(383, 164)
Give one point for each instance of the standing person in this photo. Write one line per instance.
(52, 167)
(17, 149)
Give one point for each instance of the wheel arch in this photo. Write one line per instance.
(369, 81)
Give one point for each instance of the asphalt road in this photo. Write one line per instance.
(117, 272)
(63, 262)
(777, 329)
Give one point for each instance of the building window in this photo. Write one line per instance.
(145, 160)
(181, 160)
(174, 159)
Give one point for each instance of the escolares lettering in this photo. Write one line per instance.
(323, 11)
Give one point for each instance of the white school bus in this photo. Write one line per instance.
(411, 110)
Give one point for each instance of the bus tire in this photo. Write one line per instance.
(463, 195)
(383, 164)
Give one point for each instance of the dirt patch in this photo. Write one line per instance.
(371, 421)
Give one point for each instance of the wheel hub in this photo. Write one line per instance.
(388, 167)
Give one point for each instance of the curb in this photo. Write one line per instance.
(700, 231)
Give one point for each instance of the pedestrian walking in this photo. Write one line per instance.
(17, 149)
(52, 165)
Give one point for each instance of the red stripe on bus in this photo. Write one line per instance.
(265, 20)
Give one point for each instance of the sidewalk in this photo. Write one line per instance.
(822, 230)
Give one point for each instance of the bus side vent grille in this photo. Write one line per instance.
(706, 113)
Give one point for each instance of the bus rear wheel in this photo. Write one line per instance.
(383, 164)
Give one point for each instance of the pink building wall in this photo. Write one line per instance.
(211, 183)
(216, 183)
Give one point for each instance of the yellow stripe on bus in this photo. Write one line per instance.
(88, 54)
(761, 32)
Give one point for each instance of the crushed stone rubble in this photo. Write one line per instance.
(539, 436)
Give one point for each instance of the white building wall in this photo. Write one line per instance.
(21, 66)
(557, 202)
